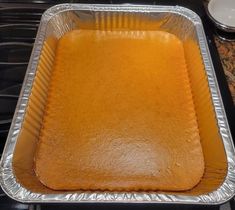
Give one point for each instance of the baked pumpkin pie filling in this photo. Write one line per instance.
(119, 115)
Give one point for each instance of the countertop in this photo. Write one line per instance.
(226, 51)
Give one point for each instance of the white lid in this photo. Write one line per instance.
(223, 11)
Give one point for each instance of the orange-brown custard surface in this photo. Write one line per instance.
(120, 115)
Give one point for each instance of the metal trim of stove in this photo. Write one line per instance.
(18, 192)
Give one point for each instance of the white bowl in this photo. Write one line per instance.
(222, 12)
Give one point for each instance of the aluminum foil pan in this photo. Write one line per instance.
(16, 170)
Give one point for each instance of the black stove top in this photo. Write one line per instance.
(18, 26)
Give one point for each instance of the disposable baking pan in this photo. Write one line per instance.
(16, 170)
